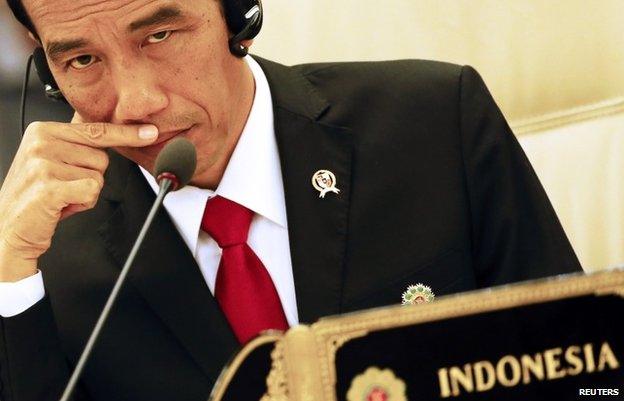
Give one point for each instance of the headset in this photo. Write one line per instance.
(243, 17)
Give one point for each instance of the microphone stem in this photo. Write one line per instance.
(165, 186)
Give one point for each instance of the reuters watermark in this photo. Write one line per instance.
(599, 391)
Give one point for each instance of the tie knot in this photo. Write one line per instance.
(226, 221)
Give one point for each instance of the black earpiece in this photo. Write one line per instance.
(52, 90)
(243, 17)
(246, 27)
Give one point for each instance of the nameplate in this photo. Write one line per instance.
(554, 339)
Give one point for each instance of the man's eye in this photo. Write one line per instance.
(82, 62)
(159, 37)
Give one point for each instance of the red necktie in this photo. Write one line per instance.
(243, 288)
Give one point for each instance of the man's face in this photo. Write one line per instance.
(160, 62)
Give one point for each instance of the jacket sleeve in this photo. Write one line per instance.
(516, 234)
(32, 365)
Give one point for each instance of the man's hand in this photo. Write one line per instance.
(58, 171)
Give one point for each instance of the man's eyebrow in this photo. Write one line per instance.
(55, 50)
(162, 15)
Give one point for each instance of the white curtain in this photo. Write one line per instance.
(581, 165)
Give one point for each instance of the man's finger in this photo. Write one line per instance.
(99, 135)
(79, 192)
(82, 156)
(73, 173)
(72, 210)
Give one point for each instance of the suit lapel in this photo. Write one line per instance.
(165, 272)
(317, 226)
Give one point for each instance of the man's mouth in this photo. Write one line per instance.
(165, 137)
(168, 135)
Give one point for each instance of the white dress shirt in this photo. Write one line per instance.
(252, 178)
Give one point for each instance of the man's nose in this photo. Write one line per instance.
(139, 94)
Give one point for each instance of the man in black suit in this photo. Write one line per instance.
(429, 186)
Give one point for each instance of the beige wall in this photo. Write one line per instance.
(537, 56)
(556, 68)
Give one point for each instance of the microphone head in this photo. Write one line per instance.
(177, 161)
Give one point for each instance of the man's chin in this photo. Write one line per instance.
(141, 156)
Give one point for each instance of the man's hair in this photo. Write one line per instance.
(22, 16)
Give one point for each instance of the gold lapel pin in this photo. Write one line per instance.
(418, 294)
(324, 181)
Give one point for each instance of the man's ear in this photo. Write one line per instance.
(247, 43)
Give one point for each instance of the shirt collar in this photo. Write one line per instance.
(252, 178)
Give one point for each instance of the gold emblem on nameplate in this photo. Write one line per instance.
(418, 294)
(324, 181)
(377, 385)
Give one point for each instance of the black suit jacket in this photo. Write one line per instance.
(434, 189)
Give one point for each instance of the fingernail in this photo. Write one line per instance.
(148, 132)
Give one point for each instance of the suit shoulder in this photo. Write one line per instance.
(405, 85)
(396, 89)
(393, 75)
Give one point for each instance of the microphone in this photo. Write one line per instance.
(175, 166)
